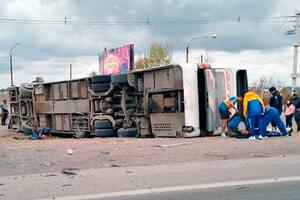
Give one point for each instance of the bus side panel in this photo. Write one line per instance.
(224, 88)
(210, 100)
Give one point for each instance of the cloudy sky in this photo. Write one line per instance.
(257, 42)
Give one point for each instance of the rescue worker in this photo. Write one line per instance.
(272, 115)
(239, 127)
(275, 102)
(296, 102)
(253, 109)
(5, 112)
(224, 107)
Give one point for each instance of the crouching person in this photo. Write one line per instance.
(272, 115)
(238, 127)
(224, 107)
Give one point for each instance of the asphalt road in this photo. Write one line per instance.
(274, 191)
(256, 178)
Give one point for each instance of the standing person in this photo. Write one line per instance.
(296, 102)
(224, 107)
(4, 109)
(275, 102)
(289, 114)
(253, 109)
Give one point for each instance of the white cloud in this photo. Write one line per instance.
(47, 50)
(277, 63)
(54, 69)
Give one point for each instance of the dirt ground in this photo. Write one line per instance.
(44, 156)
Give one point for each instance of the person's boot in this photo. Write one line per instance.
(290, 132)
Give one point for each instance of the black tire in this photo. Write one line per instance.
(25, 90)
(119, 78)
(105, 132)
(100, 87)
(27, 130)
(103, 124)
(101, 79)
(128, 132)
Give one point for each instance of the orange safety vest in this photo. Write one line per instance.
(228, 103)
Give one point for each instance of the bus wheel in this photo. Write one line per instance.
(100, 87)
(105, 133)
(120, 78)
(103, 124)
(101, 79)
(128, 132)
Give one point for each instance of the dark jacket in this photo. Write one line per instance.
(296, 102)
(276, 101)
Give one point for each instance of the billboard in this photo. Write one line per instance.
(116, 60)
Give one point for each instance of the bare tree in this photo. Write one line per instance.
(266, 82)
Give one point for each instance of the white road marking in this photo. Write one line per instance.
(176, 188)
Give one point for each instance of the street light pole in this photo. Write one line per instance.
(294, 75)
(197, 38)
(10, 61)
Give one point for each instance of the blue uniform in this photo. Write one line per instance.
(272, 114)
(254, 114)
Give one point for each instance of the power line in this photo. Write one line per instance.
(147, 21)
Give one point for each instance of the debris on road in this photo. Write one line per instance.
(104, 152)
(217, 155)
(21, 137)
(115, 165)
(242, 187)
(69, 171)
(259, 155)
(49, 175)
(171, 145)
(70, 151)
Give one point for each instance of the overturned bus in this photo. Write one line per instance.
(168, 101)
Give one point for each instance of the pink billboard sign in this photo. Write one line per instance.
(116, 60)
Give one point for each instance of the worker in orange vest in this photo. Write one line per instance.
(224, 107)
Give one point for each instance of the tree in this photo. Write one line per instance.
(266, 82)
(38, 79)
(93, 73)
(159, 54)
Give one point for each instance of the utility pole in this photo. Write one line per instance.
(11, 70)
(294, 75)
(11, 63)
(70, 71)
(187, 54)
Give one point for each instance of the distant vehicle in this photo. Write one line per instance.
(166, 101)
